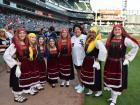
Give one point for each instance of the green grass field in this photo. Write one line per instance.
(131, 96)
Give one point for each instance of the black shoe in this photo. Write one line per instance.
(53, 85)
(67, 85)
(61, 85)
(8, 71)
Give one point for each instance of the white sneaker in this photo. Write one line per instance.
(40, 87)
(89, 92)
(67, 83)
(77, 87)
(80, 90)
(33, 90)
(53, 85)
(99, 93)
(112, 103)
(62, 83)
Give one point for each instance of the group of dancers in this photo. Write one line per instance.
(33, 61)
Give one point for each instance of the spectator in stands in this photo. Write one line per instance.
(31, 23)
(71, 32)
(10, 33)
(4, 41)
(42, 31)
(78, 53)
(84, 31)
(116, 66)
(52, 32)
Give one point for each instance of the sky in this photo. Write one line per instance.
(114, 4)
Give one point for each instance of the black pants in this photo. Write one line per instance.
(14, 81)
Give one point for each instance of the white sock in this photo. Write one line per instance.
(17, 93)
(111, 95)
(114, 97)
(67, 82)
(63, 82)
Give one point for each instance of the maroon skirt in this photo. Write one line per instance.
(52, 70)
(25, 79)
(34, 67)
(66, 67)
(42, 71)
(115, 74)
(90, 77)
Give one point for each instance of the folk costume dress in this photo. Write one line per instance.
(115, 73)
(34, 65)
(42, 65)
(25, 79)
(118, 59)
(20, 77)
(95, 50)
(65, 60)
(52, 66)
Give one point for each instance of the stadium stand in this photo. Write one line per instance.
(35, 14)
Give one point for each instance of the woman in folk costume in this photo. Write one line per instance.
(91, 68)
(16, 58)
(34, 65)
(78, 53)
(52, 62)
(65, 58)
(116, 66)
(42, 60)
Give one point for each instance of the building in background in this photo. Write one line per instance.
(108, 17)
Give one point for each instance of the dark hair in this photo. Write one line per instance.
(10, 27)
(79, 26)
(53, 39)
(70, 29)
(40, 36)
(51, 28)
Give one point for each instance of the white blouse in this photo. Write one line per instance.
(8, 56)
(129, 44)
(102, 50)
(133, 49)
(78, 52)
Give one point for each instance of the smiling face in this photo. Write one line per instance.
(64, 34)
(77, 31)
(22, 35)
(52, 43)
(117, 31)
(33, 40)
(41, 41)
